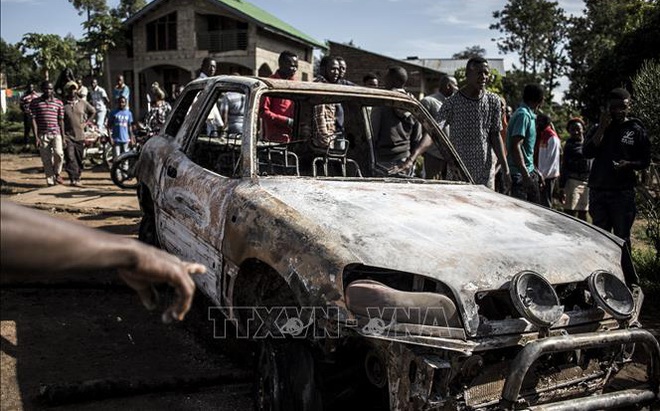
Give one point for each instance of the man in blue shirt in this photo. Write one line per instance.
(520, 141)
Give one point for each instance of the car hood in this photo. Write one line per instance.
(466, 236)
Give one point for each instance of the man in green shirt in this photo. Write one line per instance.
(520, 141)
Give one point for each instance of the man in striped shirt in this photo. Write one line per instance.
(47, 114)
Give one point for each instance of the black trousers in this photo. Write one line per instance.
(613, 211)
(73, 157)
(27, 129)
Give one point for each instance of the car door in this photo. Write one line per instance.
(196, 184)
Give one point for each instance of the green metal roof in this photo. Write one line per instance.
(249, 10)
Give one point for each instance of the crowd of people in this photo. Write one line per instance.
(517, 152)
(67, 113)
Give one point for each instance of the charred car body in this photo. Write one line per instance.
(443, 294)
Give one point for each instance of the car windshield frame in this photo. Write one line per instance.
(349, 95)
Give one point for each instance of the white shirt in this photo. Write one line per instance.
(99, 97)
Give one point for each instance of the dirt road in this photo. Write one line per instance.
(86, 337)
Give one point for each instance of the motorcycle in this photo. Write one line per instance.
(96, 148)
(123, 170)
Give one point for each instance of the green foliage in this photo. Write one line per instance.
(494, 84)
(535, 29)
(513, 85)
(606, 48)
(89, 6)
(469, 52)
(103, 32)
(646, 104)
(18, 70)
(49, 51)
(11, 130)
(646, 265)
(126, 8)
(14, 114)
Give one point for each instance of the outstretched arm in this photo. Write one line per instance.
(34, 244)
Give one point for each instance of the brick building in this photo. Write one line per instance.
(421, 80)
(168, 39)
(423, 74)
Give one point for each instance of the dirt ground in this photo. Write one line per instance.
(84, 342)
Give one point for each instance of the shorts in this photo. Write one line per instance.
(577, 195)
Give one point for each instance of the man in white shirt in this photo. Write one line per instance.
(100, 101)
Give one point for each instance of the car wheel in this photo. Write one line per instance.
(147, 230)
(285, 377)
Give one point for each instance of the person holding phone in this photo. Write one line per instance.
(619, 146)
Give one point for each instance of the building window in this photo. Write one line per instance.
(161, 33)
(219, 33)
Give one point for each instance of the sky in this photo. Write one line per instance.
(395, 28)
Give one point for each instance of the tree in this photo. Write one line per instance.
(49, 51)
(17, 68)
(495, 83)
(617, 66)
(469, 52)
(127, 8)
(104, 31)
(89, 6)
(607, 46)
(646, 104)
(513, 85)
(535, 29)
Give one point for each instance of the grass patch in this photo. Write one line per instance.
(646, 264)
(11, 138)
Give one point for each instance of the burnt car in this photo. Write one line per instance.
(356, 277)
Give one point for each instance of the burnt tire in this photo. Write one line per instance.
(122, 171)
(147, 230)
(285, 377)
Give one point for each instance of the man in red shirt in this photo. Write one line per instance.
(277, 113)
(47, 113)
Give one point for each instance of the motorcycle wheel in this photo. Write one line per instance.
(108, 155)
(95, 160)
(123, 171)
(88, 162)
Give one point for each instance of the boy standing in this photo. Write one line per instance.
(121, 123)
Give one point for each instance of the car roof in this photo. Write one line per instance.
(306, 86)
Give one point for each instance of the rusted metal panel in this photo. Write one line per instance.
(444, 232)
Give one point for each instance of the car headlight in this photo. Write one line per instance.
(535, 299)
(611, 294)
(374, 299)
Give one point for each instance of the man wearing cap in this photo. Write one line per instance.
(76, 113)
(47, 113)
